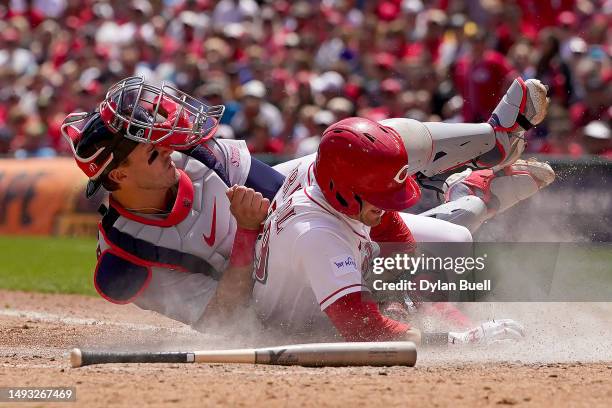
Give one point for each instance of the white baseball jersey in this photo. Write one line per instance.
(309, 256)
(172, 264)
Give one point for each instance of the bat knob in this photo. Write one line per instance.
(76, 358)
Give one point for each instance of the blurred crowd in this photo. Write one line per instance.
(285, 70)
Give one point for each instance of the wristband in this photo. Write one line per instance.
(243, 250)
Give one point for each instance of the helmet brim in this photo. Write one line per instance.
(396, 200)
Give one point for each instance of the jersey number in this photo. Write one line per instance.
(261, 263)
(283, 214)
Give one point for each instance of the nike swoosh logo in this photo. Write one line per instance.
(210, 240)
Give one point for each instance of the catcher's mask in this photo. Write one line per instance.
(135, 112)
(171, 117)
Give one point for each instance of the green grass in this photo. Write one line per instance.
(66, 265)
(47, 264)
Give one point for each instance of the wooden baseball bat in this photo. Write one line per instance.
(308, 355)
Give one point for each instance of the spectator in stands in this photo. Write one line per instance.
(596, 103)
(597, 139)
(308, 145)
(255, 107)
(557, 135)
(552, 70)
(260, 140)
(6, 137)
(276, 64)
(341, 107)
(481, 77)
(13, 55)
(33, 142)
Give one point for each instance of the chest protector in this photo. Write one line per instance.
(196, 236)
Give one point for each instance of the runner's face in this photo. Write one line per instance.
(370, 215)
(150, 168)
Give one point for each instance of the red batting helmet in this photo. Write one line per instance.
(359, 159)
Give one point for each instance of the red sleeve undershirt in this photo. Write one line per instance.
(358, 318)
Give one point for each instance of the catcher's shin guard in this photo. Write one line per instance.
(435, 148)
(472, 197)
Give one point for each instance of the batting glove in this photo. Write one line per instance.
(489, 332)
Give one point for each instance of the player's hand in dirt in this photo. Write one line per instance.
(249, 207)
(490, 332)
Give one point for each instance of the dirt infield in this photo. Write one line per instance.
(36, 331)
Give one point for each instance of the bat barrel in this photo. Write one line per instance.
(392, 353)
(80, 358)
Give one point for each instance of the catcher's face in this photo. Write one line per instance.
(148, 168)
(370, 215)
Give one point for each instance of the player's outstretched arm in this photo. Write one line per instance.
(234, 289)
(357, 317)
(435, 148)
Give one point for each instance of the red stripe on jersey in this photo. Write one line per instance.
(294, 190)
(338, 291)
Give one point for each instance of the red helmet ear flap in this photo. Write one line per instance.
(73, 129)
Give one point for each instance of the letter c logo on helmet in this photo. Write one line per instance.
(402, 174)
(358, 159)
